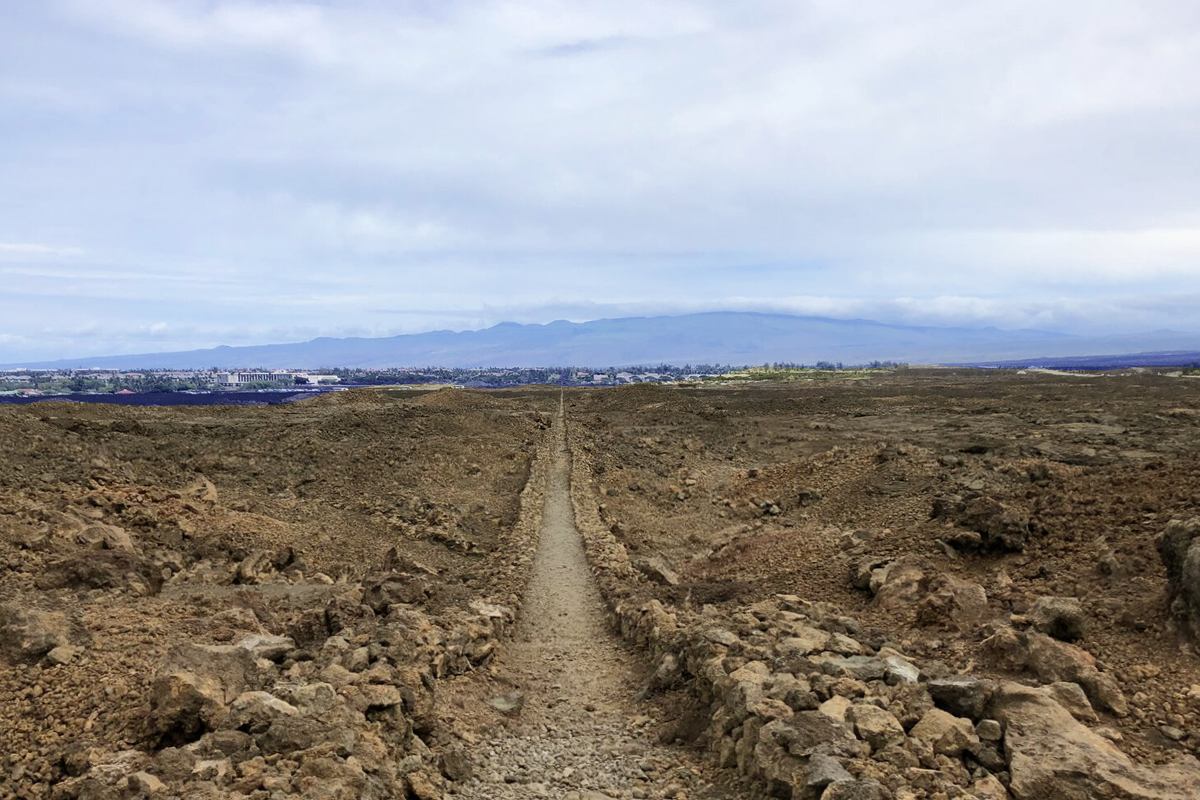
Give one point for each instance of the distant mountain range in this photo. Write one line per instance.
(713, 338)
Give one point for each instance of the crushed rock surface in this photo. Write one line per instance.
(579, 728)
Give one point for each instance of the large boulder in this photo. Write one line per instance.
(193, 688)
(946, 734)
(263, 645)
(808, 733)
(1060, 617)
(863, 668)
(864, 569)
(1179, 547)
(908, 584)
(105, 537)
(255, 711)
(1072, 697)
(953, 604)
(106, 569)
(657, 570)
(898, 584)
(797, 757)
(999, 526)
(310, 627)
(1052, 661)
(802, 642)
(961, 695)
(875, 726)
(289, 733)
(258, 567)
(1051, 756)
(395, 589)
(821, 772)
(26, 634)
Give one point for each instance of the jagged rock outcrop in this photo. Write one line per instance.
(1051, 660)
(1179, 547)
(1051, 756)
(26, 634)
(193, 687)
(1060, 617)
(909, 585)
(107, 569)
(999, 526)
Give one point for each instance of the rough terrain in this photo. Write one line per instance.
(358, 548)
(570, 685)
(932, 583)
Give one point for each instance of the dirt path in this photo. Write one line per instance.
(580, 732)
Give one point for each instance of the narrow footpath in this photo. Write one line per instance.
(580, 734)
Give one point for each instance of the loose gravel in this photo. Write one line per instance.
(580, 733)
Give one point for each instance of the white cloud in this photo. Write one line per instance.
(1041, 258)
(923, 160)
(24, 250)
(291, 27)
(376, 230)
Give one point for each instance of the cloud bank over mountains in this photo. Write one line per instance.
(198, 172)
(721, 337)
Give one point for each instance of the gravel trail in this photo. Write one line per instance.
(580, 734)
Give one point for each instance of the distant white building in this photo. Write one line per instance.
(245, 378)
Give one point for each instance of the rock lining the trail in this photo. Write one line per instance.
(572, 726)
(801, 710)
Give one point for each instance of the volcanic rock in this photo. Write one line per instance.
(1060, 617)
(1052, 756)
(1179, 547)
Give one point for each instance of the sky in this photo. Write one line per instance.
(177, 174)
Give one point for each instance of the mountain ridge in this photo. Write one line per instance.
(727, 337)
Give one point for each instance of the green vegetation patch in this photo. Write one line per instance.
(821, 372)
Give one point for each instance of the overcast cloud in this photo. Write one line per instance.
(186, 173)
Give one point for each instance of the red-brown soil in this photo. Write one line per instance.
(749, 492)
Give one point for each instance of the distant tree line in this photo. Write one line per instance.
(498, 377)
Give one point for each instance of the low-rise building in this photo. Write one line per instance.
(245, 378)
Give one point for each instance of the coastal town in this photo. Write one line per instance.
(40, 382)
(113, 381)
